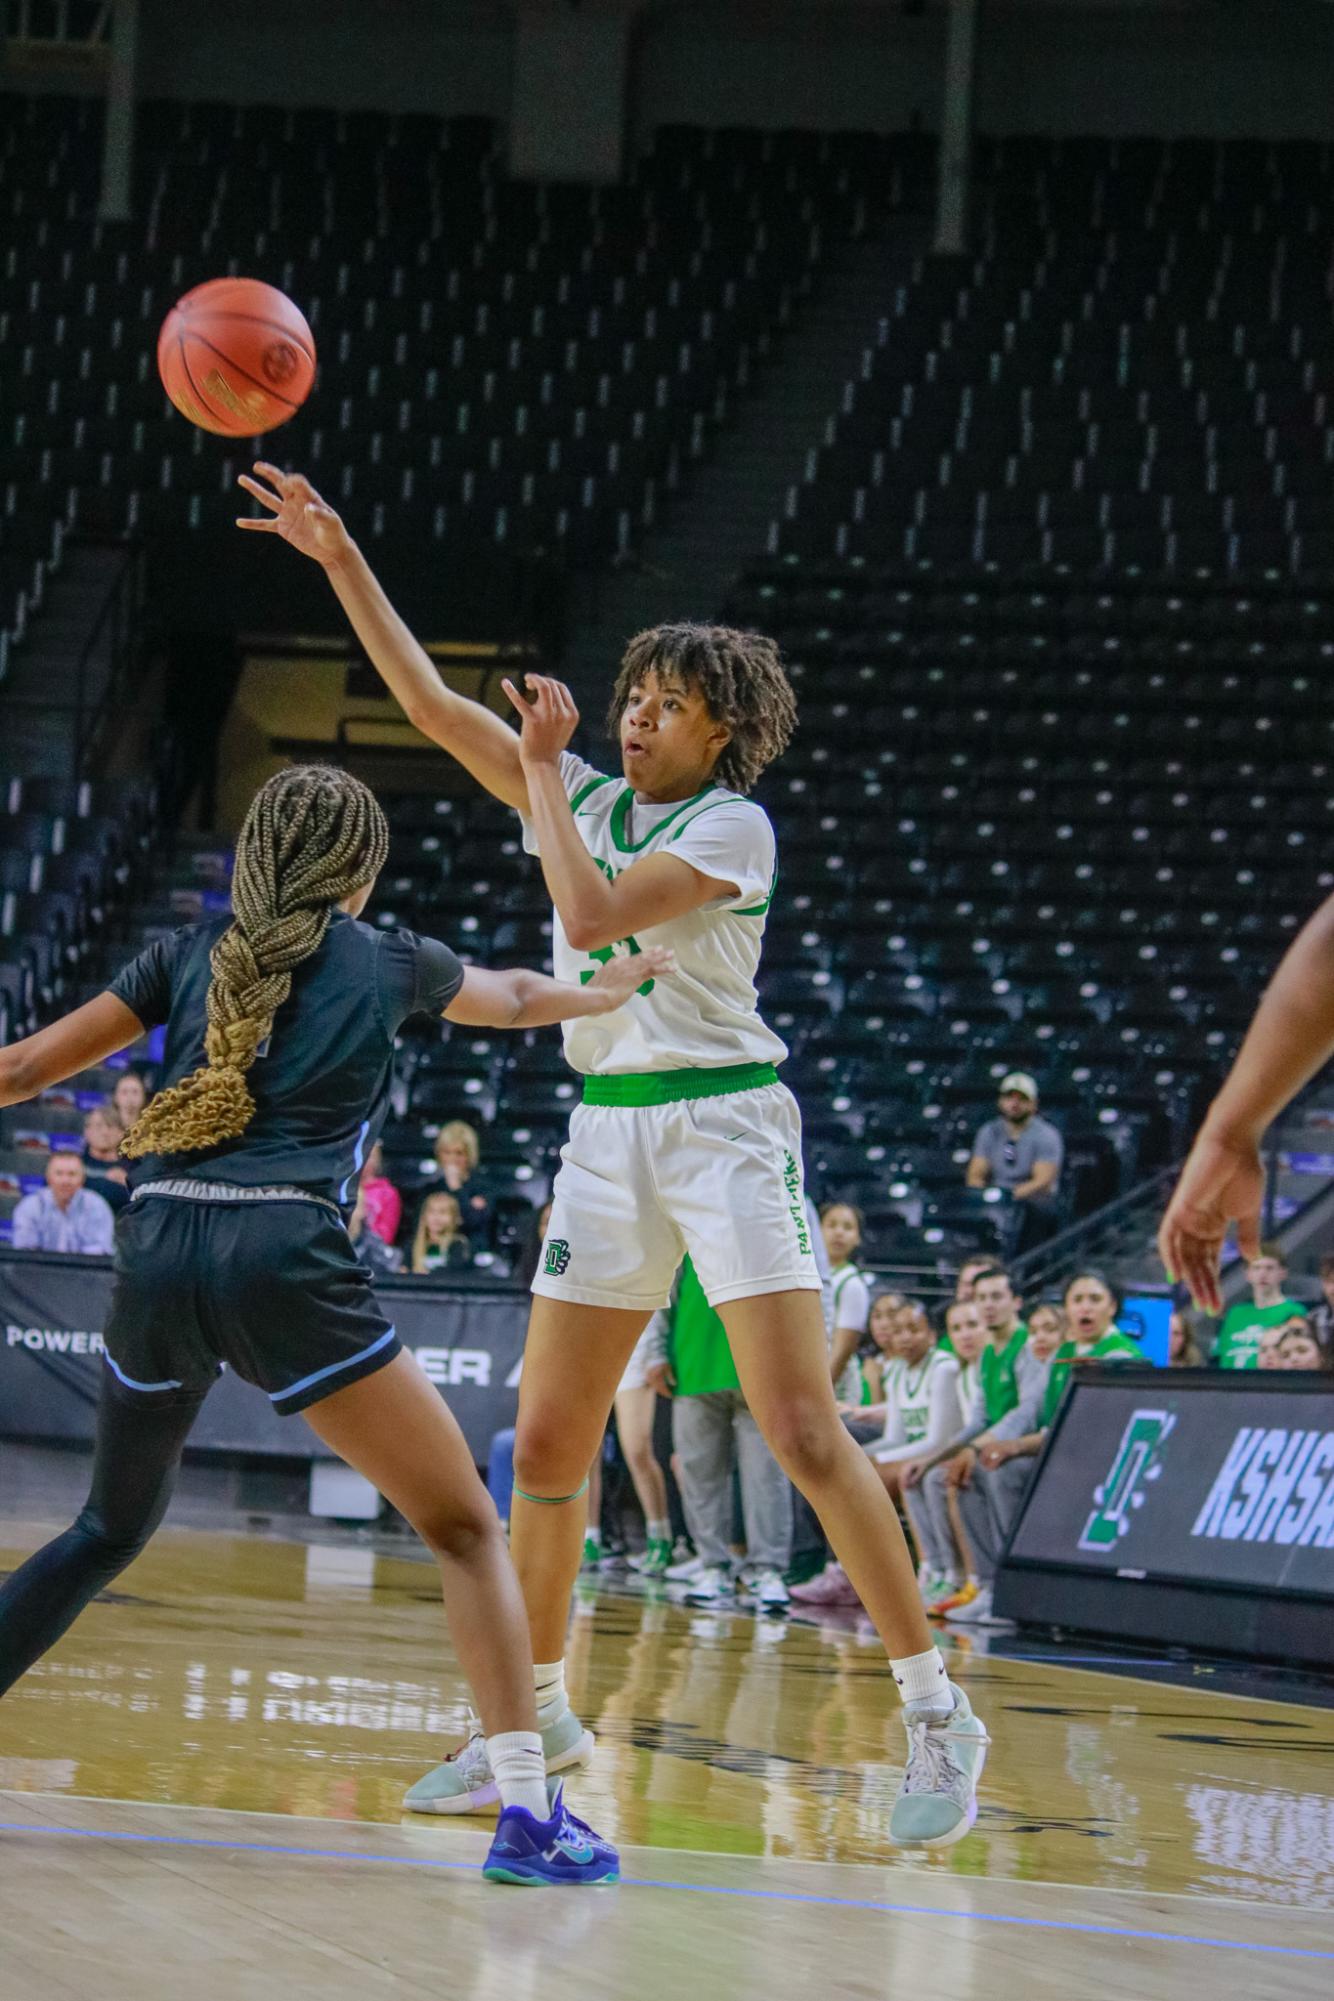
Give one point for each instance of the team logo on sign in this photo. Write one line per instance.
(556, 1258)
(1122, 1492)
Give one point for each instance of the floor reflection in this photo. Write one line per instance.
(287, 1677)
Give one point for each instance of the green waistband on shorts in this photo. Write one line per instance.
(672, 1087)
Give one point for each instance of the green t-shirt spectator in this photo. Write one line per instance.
(1000, 1392)
(1239, 1336)
(1113, 1345)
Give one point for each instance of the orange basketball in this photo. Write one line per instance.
(236, 357)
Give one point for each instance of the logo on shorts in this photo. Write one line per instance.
(556, 1258)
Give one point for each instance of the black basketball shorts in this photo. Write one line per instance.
(271, 1287)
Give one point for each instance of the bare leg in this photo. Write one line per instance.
(635, 1411)
(960, 1527)
(778, 1345)
(394, 1428)
(892, 1482)
(574, 1358)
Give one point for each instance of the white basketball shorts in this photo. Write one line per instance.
(641, 1185)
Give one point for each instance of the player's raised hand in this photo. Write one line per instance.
(1222, 1182)
(625, 972)
(296, 512)
(549, 715)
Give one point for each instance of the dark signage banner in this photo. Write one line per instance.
(1190, 1479)
(52, 1311)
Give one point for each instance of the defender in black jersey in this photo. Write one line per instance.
(280, 1024)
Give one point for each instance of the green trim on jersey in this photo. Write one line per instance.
(584, 790)
(620, 813)
(673, 1087)
(760, 909)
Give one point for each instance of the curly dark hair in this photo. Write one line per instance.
(741, 677)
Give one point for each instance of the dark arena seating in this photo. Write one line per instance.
(1053, 587)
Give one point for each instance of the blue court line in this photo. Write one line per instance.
(1067, 1925)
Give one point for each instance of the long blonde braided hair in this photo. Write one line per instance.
(313, 835)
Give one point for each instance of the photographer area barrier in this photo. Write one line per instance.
(468, 1339)
(1183, 1507)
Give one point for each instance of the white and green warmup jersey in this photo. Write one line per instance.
(852, 1308)
(705, 1016)
(922, 1403)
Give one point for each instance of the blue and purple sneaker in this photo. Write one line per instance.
(563, 1849)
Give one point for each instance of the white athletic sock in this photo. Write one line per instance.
(922, 1678)
(520, 1770)
(659, 1531)
(549, 1687)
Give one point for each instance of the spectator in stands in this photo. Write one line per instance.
(967, 1273)
(1021, 1154)
(1010, 1386)
(841, 1228)
(711, 1426)
(1006, 1461)
(105, 1172)
(1267, 1354)
(381, 1200)
(440, 1243)
(1299, 1349)
(1183, 1347)
(369, 1245)
(1268, 1306)
(1047, 1328)
(1322, 1320)
(457, 1157)
(129, 1097)
(64, 1216)
(881, 1322)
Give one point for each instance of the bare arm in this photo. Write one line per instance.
(483, 744)
(978, 1173)
(594, 912)
(78, 1040)
(524, 999)
(1043, 1176)
(1291, 1037)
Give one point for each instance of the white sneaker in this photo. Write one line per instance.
(765, 1585)
(713, 1586)
(937, 1802)
(689, 1566)
(977, 1612)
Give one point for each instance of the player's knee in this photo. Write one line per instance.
(112, 1546)
(547, 1460)
(803, 1439)
(460, 1534)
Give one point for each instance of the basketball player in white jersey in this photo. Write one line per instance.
(685, 1140)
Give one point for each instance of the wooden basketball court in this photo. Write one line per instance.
(200, 1787)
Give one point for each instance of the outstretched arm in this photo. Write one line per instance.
(523, 999)
(87, 1036)
(594, 912)
(482, 743)
(1291, 1037)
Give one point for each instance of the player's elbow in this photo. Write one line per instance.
(587, 933)
(17, 1080)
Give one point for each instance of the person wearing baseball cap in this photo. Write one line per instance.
(1022, 1154)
